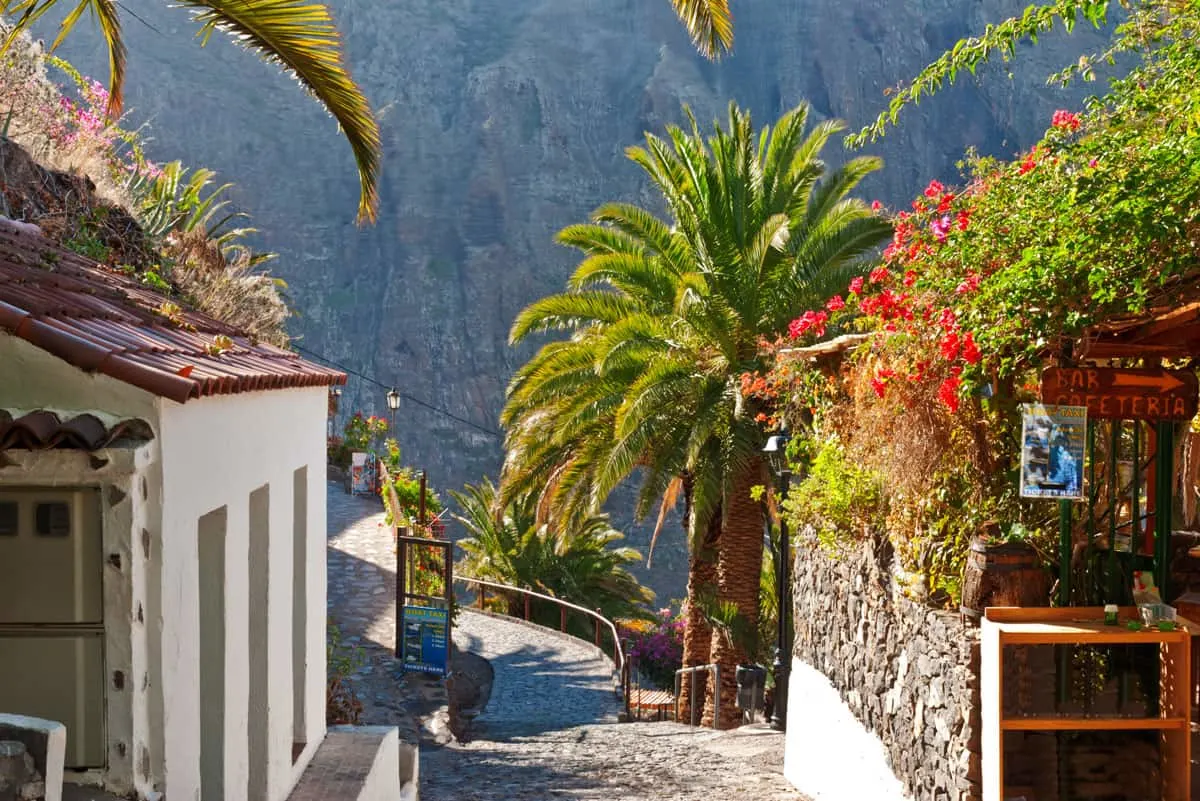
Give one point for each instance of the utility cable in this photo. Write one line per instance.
(405, 395)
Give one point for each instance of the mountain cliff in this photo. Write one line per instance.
(505, 120)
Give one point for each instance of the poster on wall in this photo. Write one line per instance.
(1052, 451)
(425, 647)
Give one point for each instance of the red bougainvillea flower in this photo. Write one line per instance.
(948, 393)
(947, 320)
(879, 275)
(949, 346)
(876, 205)
(809, 321)
(944, 203)
(970, 351)
(968, 284)
(880, 387)
(1065, 120)
(1028, 163)
(910, 277)
(935, 189)
(835, 303)
(856, 285)
(963, 219)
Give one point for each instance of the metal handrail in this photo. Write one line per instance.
(599, 618)
(715, 670)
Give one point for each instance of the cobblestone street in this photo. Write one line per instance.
(549, 730)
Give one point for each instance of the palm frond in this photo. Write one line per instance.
(709, 23)
(300, 37)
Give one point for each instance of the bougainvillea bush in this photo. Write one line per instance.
(656, 647)
(985, 281)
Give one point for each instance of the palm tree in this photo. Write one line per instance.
(299, 36)
(709, 23)
(664, 318)
(575, 561)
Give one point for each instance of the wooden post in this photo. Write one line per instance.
(597, 628)
(482, 596)
(421, 503)
(562, 618)
(527, 607)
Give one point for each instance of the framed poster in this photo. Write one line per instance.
(1053, 440)
(425, 646)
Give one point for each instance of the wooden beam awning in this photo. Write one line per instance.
(1170, 333)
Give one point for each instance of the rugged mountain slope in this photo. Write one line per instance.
(505, 120)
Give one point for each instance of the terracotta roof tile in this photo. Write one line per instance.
(102, 320)
(42, 430)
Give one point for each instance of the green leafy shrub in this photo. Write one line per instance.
(840, 500)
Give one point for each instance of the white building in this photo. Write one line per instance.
(162, 535)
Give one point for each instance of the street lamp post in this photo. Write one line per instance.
(776, 452)
(393, 402)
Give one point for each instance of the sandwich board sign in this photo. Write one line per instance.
(425, 647)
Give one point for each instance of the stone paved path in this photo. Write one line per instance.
(361, 601)
(549, 730)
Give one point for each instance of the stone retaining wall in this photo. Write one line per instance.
(907, 676)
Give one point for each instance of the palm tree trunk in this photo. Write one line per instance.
(697, 633)
(738, 570)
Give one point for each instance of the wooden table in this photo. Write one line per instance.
(1007, 626)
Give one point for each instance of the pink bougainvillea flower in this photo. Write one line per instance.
(940, 227)
(835, 303)
(809, 321)
(1065, 120)
(1093, 163)
(969, 284)
(876, 205)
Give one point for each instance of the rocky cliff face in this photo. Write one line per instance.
(505, 120)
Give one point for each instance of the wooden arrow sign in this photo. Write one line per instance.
(1111, 393)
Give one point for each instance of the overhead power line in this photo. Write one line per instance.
(431, 407)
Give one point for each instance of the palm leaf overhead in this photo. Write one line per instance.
(709, 23)
(296, 35)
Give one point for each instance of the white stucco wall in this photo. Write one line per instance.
(207, 454)
(30, 378)
(214, 453)
(828, 754)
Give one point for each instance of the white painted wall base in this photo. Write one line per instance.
(46, 741)
(383, 781)
(828, 754)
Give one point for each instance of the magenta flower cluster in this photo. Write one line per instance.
(657, 651)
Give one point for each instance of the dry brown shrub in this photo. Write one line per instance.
(225, 286)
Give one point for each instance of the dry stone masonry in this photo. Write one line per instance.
(909, 674)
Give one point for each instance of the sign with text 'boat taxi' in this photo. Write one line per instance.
(425, 647)
(1113, 393)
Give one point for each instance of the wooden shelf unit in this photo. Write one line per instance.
(1006, 626)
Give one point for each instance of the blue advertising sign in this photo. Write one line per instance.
(425, 647)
